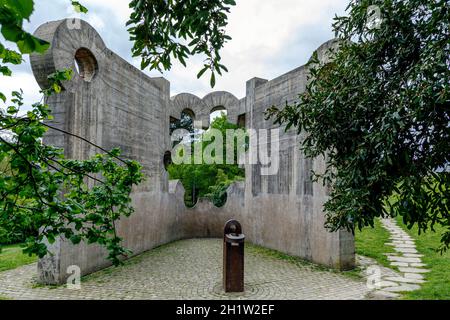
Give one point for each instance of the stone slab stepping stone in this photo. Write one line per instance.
(406, 250)
(403, 241)
(415, 264)
(406, 280)
(382, 284)
(400, 264)
(403, 259)
(413, 270)
(396, 240)
(402, 245)
(413, 255)
(399, 237)
(414, 276)
(385, 294)
(403, 288)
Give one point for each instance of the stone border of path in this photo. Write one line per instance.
(408, 261)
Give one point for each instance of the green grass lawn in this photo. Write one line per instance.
(437, 286)
(12, 257)
(371, 243)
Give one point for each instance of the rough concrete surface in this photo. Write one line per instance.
(116, 105)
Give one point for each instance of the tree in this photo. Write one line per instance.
(166, 29)
(186, 122)
(20, 227)
(209, 180)
(39, 188)
(380, 112)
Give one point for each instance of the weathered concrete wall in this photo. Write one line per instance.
(286, 209)
(122, 107)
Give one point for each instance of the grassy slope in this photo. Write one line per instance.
(437, 286)
(12, 257)
(370, 242)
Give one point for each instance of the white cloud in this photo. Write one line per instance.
(119, 8)
(270, 37)
(24, 81)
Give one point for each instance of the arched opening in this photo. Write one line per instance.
(188, 113)
(217, 112)
(242, 120)
(85, 64)
(210, 176)
(186, 121)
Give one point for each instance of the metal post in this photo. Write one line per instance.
(233, 257)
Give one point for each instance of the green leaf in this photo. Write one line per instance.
(79, 7)
(51, 238)
(200, 74)
(57, 88)
(213, 80)
(12, 110)
(5, 71)
(31, 44)
(12, 32)
(194, 42)
(181, 59)
(24, 8)
(10, 56)
(230, 2)
(75, 239)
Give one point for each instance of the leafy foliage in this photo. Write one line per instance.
(380, 113)
(39, 188)
(186, 122)
(79, 7)
(166, 29)
(19, 227)
(208, 180)
(81, 200)
(217, 193)
(12, 14)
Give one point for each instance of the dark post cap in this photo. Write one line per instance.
(232, 227)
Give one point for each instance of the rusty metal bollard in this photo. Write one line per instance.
(233, 257)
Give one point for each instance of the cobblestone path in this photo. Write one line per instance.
(192, 269)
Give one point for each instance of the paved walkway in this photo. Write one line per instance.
(192, 269)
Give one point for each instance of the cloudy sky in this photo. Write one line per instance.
(270, 37)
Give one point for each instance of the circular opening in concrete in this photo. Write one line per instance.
(167, 159)
(220, 199)
(85, 64)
